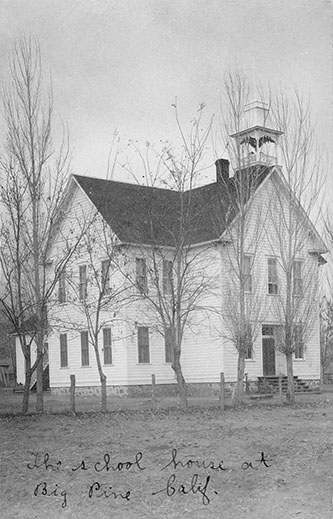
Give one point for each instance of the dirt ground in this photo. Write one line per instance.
(259, 461)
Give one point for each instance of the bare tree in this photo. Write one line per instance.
(326, 334)
(33, 182)
(242, 225)
(97, 294)
(294, 241)
(172, 278)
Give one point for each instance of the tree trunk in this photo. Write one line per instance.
(39, 383)
(182, 388)
(102, 376)
(237, 396)
(27, 382)
(290, 374)
(103, 383)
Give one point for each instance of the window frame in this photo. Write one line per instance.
(141, 275)
(143, 345)
(297, 280)
(299, 343)
(85, 361)
(249, 339)
(107, 346)
(167, 276)
(83, 282)
(105, 276)
(63, 350)
(272, 281)
(168, 350)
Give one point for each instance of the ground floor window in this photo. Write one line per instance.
(107, 346)
(248, 342)
(168, 345)
(84, 349)
(143, 345)
(63, 351)
(298, 342)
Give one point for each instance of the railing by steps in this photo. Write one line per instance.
(271, 384)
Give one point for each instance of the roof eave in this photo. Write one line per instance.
(253, 128)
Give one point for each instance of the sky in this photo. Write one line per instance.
(118, 65)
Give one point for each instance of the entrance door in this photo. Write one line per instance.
(268, 356)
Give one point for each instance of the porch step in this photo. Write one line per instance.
(271, 383)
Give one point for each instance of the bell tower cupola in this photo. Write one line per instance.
(256, 139)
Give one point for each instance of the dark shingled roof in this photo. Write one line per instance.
(149, 215)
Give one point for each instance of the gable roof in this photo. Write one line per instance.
(149, 215)
(131, 209)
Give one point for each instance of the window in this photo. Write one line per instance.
(62, 287)
(167, 277)
(247, 275)
(143, 345)
(168, 345)
(268, 330)
(297, 278)
(298, 341)
(107, 346)
(105, 276)
(84, 349)
(248, 342)
(272, 276)
(141, 275)
(83, 282)
(63, 351)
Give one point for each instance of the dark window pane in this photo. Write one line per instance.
(63, 351)
(83, 282)
(168, 345)
(268, 330)
(84, 349)
(143, 345)
(167, 277)
(107, 346)
(141, 275)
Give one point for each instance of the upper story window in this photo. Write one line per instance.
(297, 278)
(83, 282)
(247, 273)
(141, 275)
(272, 276)
(167, 277)
(143, 345)
(62, 287)
(105, 270)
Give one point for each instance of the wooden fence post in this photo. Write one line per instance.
(280, 388)
(222, 392)
(72, 393)
(153, 391)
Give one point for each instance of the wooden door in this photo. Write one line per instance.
(268, 356)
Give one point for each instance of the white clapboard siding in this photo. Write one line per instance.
(267, 313)
(207, 349)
